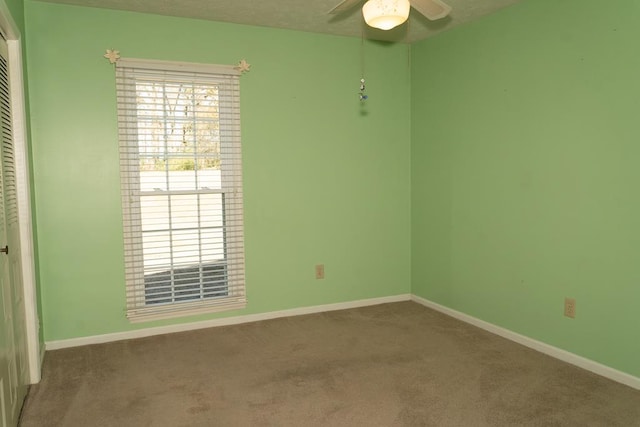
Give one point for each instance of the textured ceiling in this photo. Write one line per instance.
(303, 15)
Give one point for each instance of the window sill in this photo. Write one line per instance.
(171, 311)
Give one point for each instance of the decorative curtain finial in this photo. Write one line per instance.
(112, 55)
(243, 66)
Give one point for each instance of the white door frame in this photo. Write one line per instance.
(16, 81)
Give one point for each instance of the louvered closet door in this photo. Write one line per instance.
(13, 358)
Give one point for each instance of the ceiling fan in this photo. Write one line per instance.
(387, 14)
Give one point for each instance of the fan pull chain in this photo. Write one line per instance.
(361, 94)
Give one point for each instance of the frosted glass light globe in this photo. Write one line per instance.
(385, 14)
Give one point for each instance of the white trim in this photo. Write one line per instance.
(565, 356)
(27, 257)
(141, 333)
(32, 325)
(187, 67)
(171, 311)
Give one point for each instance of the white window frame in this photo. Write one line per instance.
(231, 189)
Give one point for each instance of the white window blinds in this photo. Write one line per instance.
(181, 178)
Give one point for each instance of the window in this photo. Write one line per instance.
(180, 168)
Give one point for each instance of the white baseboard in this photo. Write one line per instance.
(160, 330)
(547, 349)
(565, 356)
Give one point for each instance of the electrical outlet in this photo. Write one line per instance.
(570, 307)
(320, 271)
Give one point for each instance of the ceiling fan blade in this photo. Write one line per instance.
(344, 6)
(432, 9)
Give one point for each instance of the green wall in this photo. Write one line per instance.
(16, 8)
(497, 176)
(525, 171)
(326, 178)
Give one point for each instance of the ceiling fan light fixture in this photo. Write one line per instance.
(385, 14)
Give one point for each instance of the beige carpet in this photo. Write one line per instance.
(389, 365)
